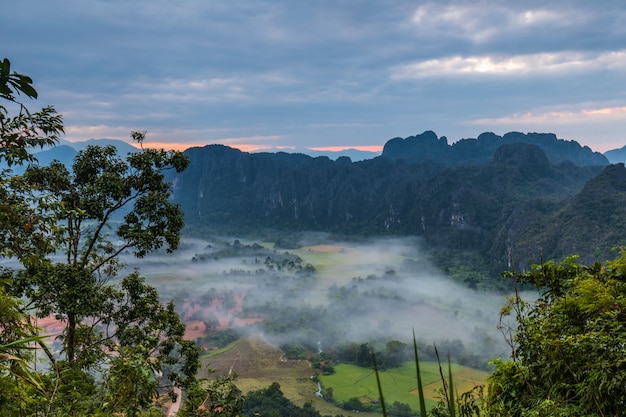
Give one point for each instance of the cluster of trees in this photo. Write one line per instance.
(120, 349)
(568, 346)
(392, 355)
(271, 260)
(271, 401)
(396, 409)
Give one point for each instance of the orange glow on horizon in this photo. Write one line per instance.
(245, 147)
(169, 146)
(183, 146)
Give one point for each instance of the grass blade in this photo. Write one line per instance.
(420, 388)
(452, 402)
(380, 388)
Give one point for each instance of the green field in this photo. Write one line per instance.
(259, 364)
(398, 384)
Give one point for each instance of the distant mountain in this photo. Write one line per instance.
(354, 154)
(450, 198)
(514, 198)
(65, 151)
(122, 147)
(428, 146)
(62, 153)
(616, 156)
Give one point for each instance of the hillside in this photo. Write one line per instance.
(590, 223)
(449, 198)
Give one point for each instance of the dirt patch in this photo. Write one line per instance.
(194, 330)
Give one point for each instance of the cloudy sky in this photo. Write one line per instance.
(322, 74)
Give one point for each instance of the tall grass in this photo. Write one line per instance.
(420, 388)
(448, 386)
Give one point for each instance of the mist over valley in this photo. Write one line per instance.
(326, 295)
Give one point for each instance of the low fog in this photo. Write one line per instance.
(323, 292)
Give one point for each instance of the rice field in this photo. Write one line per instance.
(398, 384)
(258, 364)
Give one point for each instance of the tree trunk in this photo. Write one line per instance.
(70, 342)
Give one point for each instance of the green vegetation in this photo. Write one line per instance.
(272, 401)
(120, 349)
(568, 346)
(399, 384)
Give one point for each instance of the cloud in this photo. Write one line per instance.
(599, 115)
(485, 23)
(348, 73)
(532, 64)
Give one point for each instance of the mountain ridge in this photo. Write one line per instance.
(484, 207)
(480, 150)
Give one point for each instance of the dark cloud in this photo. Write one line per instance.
(324, 73)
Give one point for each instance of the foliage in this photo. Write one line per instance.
(120, 347)
(221, 338)
(568, 346)
(18, 135)
(120, 330)
(20, 383)
(210, 397)
(12, 83)
(16, 335)
(271, 401)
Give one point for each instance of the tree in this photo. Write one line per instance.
(121, 347)
(213, 397)
(398, 409)
(20, 384)
(353, 403)
(568, 346)
(111, 327)
(396, 353)
(18, 135)
(271, 401)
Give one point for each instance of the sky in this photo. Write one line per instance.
(323, 74)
